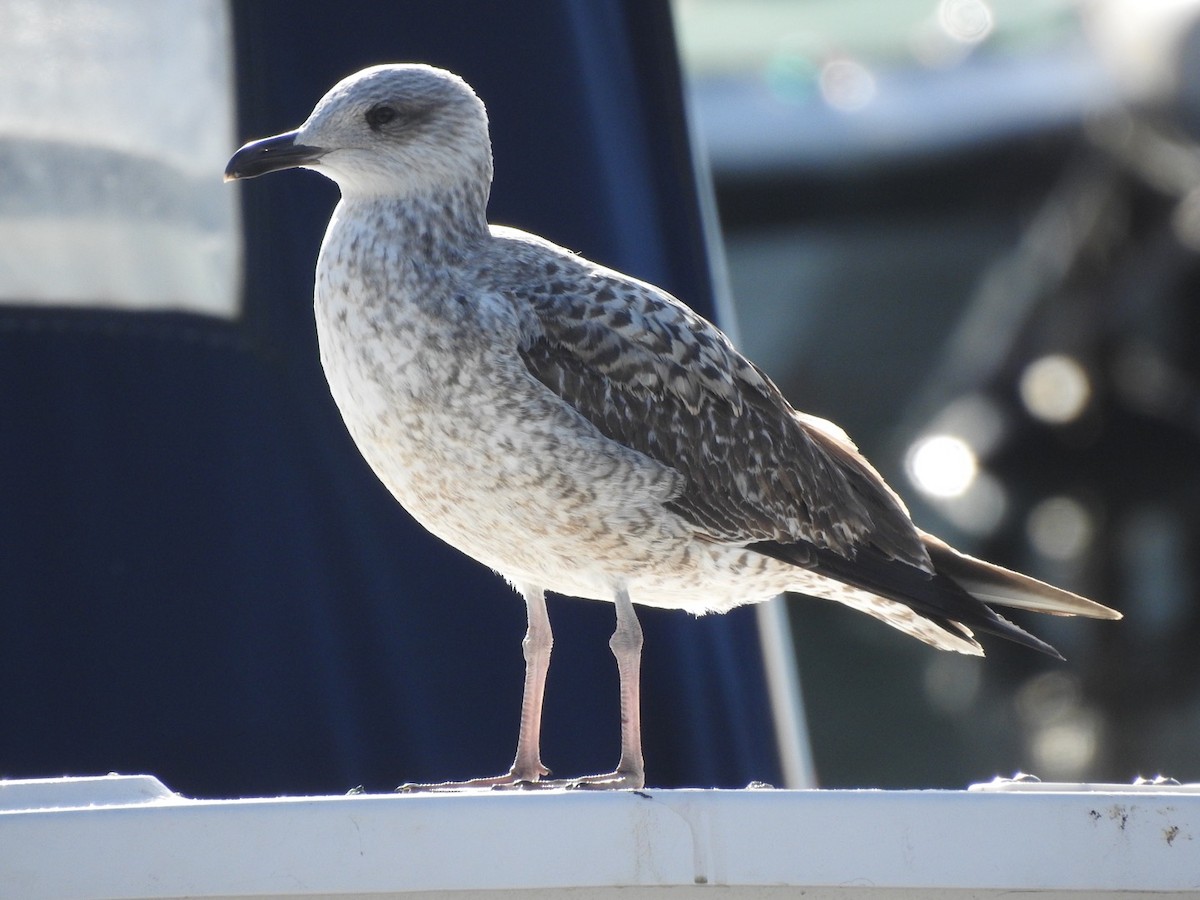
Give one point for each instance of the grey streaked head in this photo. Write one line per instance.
(387, 130)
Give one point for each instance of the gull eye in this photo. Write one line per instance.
(378, 116)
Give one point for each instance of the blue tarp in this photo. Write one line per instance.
(199, 576)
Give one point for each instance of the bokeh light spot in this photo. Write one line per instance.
(1060, 528)
(965, 21)
(1055, 389)
(942, 465)
(847, 84)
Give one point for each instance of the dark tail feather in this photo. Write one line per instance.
(993, 584)
(936, 597)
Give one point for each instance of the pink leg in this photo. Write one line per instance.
(527, 769)
(527, 766)
(626, 644)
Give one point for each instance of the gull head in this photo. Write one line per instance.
(394, 130)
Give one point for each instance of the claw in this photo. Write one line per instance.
(510, 780)
(620, 780)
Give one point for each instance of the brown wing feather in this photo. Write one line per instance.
(650, 373)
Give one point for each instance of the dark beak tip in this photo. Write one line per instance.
(270, 155)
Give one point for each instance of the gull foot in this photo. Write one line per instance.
(611, 781)
(509, 781)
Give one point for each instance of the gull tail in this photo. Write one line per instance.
(994, 584)
(943, 608)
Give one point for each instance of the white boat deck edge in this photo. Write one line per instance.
(130, 837)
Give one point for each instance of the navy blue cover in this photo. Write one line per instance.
(199, 576)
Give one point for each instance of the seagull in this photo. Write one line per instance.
(583, 432)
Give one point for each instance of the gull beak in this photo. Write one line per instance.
(270, 155)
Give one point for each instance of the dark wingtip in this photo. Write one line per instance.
(1001, 627)
(936, 598)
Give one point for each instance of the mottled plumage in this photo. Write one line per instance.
(580, 431)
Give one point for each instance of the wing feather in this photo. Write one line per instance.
(652, 374)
